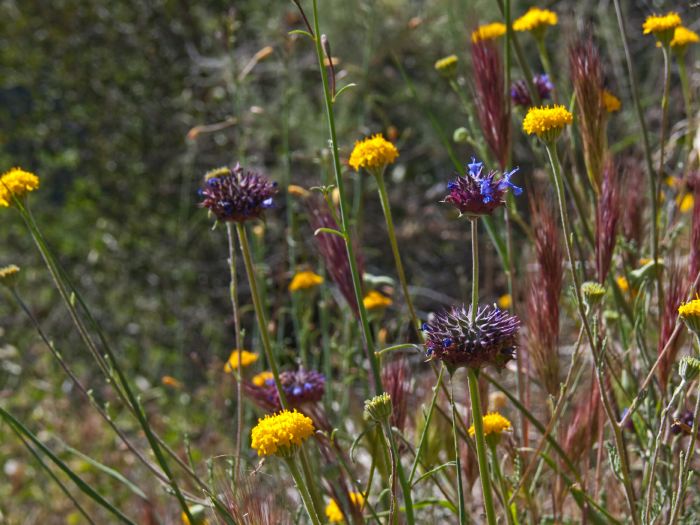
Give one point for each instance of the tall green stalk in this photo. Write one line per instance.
(458, 462)
(405, 486)
(259, 311)
(384, 198)
(303, 490)
(475, 268)
(345, 220)
(478, 422)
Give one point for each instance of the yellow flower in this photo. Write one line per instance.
(661, 25)
(535, 19)
(16, 182)
(262, 378)
(198, 513)
(171, 382)
(494, 423)
(375, 300)
(690, 314)
(622, 283)
(447, 66)
(488, 32)
(281, 433)
(304, 281)
(9, 275)
(247, 358)
(373, 153)
(333, 512)
(682, 37)
(546, 122)
(611, 102)
(686, 202)
(505, 301)
(297, 191)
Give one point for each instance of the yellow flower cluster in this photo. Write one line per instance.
(16, 182)
(375, 300)
(690, 309)
(494, 423)
(333, 512)
(535, 19)
(373, 153)
(304, 280)
(505, 301)
(447, 66)
(281, 433)
(610, 102)
(659, 24)
(682, 37)
(488, 32)
(9, 275)
(544, 121)
(246, 358)
(262, 378)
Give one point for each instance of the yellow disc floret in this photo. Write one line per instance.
(333, 512)
(246, 358)
(610, 102)
(682, 37)
(9, 275)
(690, 314)
(447, 66)
(535, 19)
(16, 182)
(494, 423)
(488, 32)
(281, 434)
(661, 24)
(375, 300)
(304, 280)
(546, 122)
(373, 153)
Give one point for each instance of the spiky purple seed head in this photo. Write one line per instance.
(491, 339)
(237, 194)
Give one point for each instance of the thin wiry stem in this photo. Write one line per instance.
(458, 463)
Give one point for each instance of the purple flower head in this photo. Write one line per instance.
(477, 193)
(490, 340)
(521, 96)
(237, 194)
(300, 386)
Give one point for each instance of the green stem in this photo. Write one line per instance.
(478, 422)
(475, 268)
(458, 463)
(259, 312)
(405, 486)
(233, 290)
(310, 482)
(654, 237)
(509, 508)
(303, 490)
(345, 220)
(687, 100)
(426, 425)
(384, 198)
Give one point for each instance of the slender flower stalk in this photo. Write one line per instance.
(458, 463)
(345, 221)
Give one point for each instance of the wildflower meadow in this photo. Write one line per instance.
(311, 262)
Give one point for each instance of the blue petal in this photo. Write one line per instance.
(268, 203)
(475, 167)
(451, 185)
(447, 342)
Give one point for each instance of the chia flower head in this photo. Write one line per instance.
(16, 183)
(536, 20)
(335, 514)
(682, 38)
(9, 275)
(490, 340)
(237, 194)
(547, 122)
(281, 434)
(476, 193)
(373, 154)
(244, 356)
(662, 26)
(520, 95)
(447, 66)
(299, 387)
(491, 103)
(488, 32)
(304, 281)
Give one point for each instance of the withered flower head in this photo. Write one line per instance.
(237, 194)
(490, 340)
(478, 193)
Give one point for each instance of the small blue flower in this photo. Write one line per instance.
(447, 342)
(475, 167)
(505, 182)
